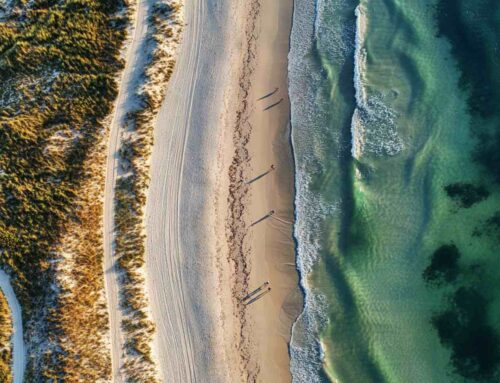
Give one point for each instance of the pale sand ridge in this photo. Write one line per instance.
(175, 267)
(179, 262)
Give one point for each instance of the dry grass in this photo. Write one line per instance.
(58, 64)
(5, 340)
(165, 29)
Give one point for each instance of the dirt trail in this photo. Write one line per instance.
(133, 67)
(18, 348)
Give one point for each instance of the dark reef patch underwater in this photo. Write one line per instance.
(473, 29)
(466, 194)
(444, 266)
(465, 326)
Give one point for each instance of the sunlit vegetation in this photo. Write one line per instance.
(5, 342)
(135, 150)
(58, 63)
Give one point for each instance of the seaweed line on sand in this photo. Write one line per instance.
(238, 198)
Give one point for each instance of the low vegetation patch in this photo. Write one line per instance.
(130, 190)
(58, 64)
(5, 340)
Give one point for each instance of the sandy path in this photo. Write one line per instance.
(133, 67)
(18, 351)
(181, 276)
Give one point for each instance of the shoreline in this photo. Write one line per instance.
(260, 213)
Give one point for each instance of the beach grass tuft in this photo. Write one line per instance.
(165, 23)
(58, 65)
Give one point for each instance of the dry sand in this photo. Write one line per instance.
(203, 255)
(180, 250)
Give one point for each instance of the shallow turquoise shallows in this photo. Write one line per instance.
(396, 135)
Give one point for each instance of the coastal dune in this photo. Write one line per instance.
(133, 68)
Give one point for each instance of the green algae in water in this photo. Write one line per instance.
(466, 194)
(443, 267)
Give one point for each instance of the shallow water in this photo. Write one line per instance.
(396, 133)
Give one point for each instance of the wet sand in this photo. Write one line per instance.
(259, 207)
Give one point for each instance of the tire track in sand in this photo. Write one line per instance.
(174, 342)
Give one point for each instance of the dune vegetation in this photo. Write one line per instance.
(5, 343)
(165, 25)
(58, 65)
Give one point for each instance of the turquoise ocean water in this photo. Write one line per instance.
(396, 135)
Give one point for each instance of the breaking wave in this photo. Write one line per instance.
(373, 126)
(310, 111)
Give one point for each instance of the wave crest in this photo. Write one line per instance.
(373, 126)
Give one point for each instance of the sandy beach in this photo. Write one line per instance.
(180, 250)
(272, 248)
(203, 254)
(260, 201)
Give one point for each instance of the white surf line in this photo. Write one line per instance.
(359, 64)
(18, 348)
(126, 91)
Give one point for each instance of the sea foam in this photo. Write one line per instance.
(325, 36)
(373, 127)
(310, 110)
